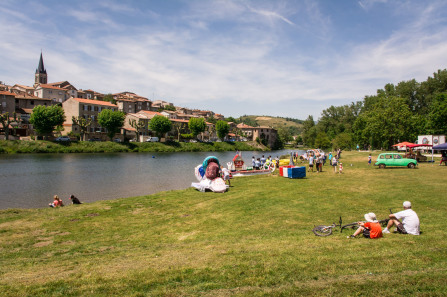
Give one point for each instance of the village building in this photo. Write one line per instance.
(160, 104)
(57, 95)
(22, 89)
(169, 114)
(86, 108)
(143, 116)
(4, 87)
(7, 102)
(129, 102)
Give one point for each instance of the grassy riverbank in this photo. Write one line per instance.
(40, 146)
(254, 240)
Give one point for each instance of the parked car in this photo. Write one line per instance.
(152, 139)
(63, 139)
(94, 139)
(117, 139)
(394, 159)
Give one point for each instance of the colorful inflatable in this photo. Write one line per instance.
(208, 177)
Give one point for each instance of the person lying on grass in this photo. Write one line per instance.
(370, 229)
(410, 221)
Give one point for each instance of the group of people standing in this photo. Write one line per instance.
(260, 163)
(319, 159)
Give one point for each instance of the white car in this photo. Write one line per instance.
(63, 139)
(152, 139)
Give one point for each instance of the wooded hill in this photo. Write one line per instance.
(292, 126)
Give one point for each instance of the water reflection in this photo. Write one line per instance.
(29, 181)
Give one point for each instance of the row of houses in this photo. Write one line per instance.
(21, 99)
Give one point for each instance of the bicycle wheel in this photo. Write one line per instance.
(349, 226)
(322, 230)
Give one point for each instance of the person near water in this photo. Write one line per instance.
(225, 175)
(57, 202)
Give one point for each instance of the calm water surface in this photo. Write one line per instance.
(30, 181)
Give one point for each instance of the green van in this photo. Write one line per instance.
(393, 159)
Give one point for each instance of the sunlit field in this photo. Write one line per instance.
(254, 240)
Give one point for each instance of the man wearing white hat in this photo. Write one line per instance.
(410, 221)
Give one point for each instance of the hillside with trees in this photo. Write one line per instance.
(286, 127)
(396, 113)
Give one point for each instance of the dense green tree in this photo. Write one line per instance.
(83, 124)
(284, 135)
(161, 125)
(109, 98)
(309, 131)
(322, 141)
(231, 119)
(45, 118)
(437, 118)
(388, 122)
(222, 129)
(343, 141)
(197, 126)
(6, 121)
(113, 121)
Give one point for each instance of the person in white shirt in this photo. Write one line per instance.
(226, 175)
(311, 163)
(410, 221)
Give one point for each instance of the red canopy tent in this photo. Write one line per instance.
(418, 145)
(405, 143)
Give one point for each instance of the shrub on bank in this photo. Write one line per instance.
(43, 146)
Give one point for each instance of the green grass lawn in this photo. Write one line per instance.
(255, 240)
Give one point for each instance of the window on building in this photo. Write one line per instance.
(32, 102)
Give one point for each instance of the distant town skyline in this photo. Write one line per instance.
(277, 58)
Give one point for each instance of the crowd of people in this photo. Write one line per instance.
(318, 159)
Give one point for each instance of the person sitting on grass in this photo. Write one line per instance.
(370, 229)
(57, 202)
(410, 221)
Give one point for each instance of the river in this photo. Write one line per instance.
(31, 180)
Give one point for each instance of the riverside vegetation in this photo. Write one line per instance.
(254, 240)
(41, 146)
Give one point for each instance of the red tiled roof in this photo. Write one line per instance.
(7, 93)
(47, 86)
(177, 120)
(151, 112)
(244, 126)
(97, 102)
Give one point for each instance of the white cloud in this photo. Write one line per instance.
(192, 63)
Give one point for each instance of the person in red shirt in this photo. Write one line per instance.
(57, 202)
(370, 229)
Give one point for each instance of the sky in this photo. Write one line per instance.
(234, 57)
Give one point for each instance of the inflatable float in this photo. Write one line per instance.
(208, 178)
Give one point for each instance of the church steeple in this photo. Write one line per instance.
(41, 73)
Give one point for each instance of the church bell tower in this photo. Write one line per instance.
(41, 74)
